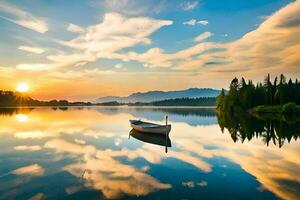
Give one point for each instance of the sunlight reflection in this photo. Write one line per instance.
(97, 146)
(22, 117)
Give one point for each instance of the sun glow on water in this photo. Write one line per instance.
(22, 117)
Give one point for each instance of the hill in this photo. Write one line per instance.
(162, 95)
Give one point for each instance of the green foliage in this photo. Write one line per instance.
(243, 96)
(270, 128)
(288, 107)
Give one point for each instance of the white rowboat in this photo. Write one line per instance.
(148, 127)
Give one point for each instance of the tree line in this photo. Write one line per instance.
(244, 95)
(12, 99)
(201, 101)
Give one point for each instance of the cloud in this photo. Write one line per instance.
(115, 33)
(273, 46)
(103, 40)
(35, 67)
(189, 184)
(203, 36)
(34, 169)
(202, 184)
(78, 141)
(27, 148)
(31, 49)
(131, 7)
(193, 22)
(156, 57)
(189, 5)
(32, 134)
(101, 171)
(38, 196)
(192, 184)
(202, 22)
(23, 18)
(119, 66)
(75, 28)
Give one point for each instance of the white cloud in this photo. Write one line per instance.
(202, 22)
(189, 184)
(36, 50)
(189, 5)
(131, 7)
(78, 141)
(32, 135)
(273, 46)
(103, 40)
(75, 28)
(193, 22)
(35, 67)
(202, 184)
(119, 66)
(203, 36)
(23, 18)
(27, 148)
(156, 57)
(33, 169)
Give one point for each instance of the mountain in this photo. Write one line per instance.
(162, 95)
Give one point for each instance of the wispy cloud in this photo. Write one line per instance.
(75, 28)
(193, 22)
(157, 57)
(35, 67)
(28, 148)
(189, 5)
(119, 66)
(203, 36)
(131, 7)
(104, 40)
(36, 50)
(33, 169)
(202, 22)
(23, 18)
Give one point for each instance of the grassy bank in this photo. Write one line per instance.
(289, 108)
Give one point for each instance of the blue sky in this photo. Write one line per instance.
(122, 46)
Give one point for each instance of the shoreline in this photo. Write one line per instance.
(127, 106)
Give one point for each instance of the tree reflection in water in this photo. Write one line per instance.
(274, 129)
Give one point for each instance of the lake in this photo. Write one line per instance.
(87, 153)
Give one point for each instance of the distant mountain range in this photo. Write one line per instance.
(162, 95)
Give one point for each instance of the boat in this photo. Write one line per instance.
(157, 139)
(148, 127)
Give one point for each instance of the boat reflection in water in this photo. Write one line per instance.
(161, 140)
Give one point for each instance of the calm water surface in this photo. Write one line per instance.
(87, 153)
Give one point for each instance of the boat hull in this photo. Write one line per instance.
(150, 128)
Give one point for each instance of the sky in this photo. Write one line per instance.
(85, 49)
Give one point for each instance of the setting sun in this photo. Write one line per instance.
(22, 87)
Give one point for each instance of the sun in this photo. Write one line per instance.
(22, 87)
